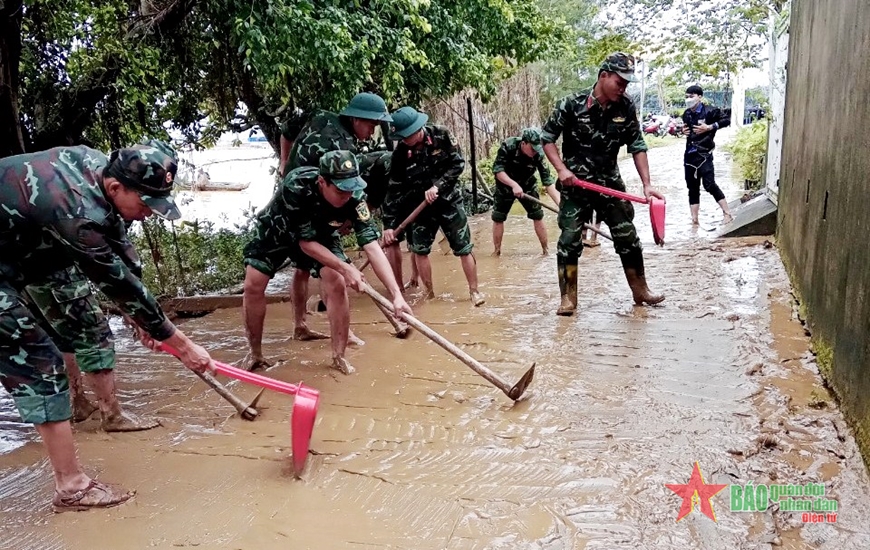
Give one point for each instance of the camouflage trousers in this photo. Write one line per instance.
(577, 207)
(31, 366)
(72, 317)
(268, 251)
(504, 201)
(451, 218)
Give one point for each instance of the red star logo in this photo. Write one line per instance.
(696, 489)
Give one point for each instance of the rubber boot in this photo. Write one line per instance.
(632, 264)
(567, 288)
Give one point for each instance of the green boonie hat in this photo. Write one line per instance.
(406, 122)
(150, 171)
(341, 168)
(621, 64)
(368, 106)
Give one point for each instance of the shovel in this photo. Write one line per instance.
(656, 206)
(304, 406)
(401, 228)
(556, 210)
(514, 392)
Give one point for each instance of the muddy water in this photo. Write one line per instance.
(416, 451)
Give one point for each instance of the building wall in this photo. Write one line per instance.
(824, 193)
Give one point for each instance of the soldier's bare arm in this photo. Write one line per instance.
(92, 253)
(384, 271)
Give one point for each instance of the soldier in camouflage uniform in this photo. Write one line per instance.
(302, 223)
(64, 207)
(516, 162)
(350, 130)
(594, 125)
(426, 166)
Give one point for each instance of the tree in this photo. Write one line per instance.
(575, 65)
(694, 40)
(106, 72)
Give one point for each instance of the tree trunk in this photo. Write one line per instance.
(11, 139)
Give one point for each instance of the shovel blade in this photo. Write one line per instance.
(657, 219)
(302, 425)
(520, 387)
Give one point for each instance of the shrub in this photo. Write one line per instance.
(191, 258)
(749, 148)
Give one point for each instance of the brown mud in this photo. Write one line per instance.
(416, 451)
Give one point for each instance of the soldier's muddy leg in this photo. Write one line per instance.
(421, 236)
(80, 330)
(619, 216)
(31, 370)
(454, 224)
(574, 210)
(299, 296)
(338, 310)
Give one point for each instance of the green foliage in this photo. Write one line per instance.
(697, 40)
(749, 148)
(191, 258)
(109, 71)
(573, 65)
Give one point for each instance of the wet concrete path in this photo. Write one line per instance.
(416, 451)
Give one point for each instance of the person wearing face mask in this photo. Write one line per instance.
(700, 123)
(350, 130)
(594, 124)
(67, 207)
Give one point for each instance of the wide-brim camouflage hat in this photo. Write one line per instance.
(368, 106)
(164, 207)
(342, 170)
(621, 64)
(406, 122)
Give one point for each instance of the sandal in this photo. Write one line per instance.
(95, 495)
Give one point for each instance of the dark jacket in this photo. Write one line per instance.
(703, 143)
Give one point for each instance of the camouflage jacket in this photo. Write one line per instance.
(326, 132)
(330, 132)
(592, 136)
(436, 161)
(298, 212)
(519, 167)
(53, 213)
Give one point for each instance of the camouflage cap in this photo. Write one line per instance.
(532, 136)
(368, 106)
(621, 64)
(341, 168)
(149, 170)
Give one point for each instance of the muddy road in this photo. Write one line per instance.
(415, 451)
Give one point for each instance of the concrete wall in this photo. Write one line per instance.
(824, 194)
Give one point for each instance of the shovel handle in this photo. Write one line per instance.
(556, 210)
(246, 411)
(402, 226)
(608, 191)
(476, 366)
(243, 375)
